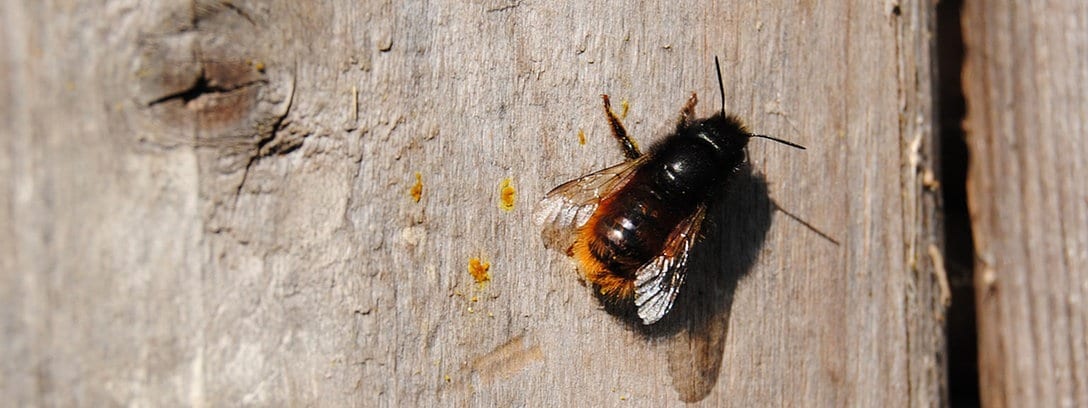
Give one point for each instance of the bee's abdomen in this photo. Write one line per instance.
(632, 227)
(627, 236)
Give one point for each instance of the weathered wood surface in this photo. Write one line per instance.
(208, 203)
(1026, 81)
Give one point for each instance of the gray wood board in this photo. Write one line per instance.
(1025, 78)
(208, 203)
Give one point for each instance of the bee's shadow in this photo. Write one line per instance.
(734, 231)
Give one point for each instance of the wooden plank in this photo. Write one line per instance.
(1025, 79)
(210, 204)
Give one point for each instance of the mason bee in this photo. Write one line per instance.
(631, 227)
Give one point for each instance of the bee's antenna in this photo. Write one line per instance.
(721, 84)
(790, 144)
(721, 90)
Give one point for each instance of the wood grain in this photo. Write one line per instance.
(1025, 79)
(208, 203)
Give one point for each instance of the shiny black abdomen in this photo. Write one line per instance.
(680, 175)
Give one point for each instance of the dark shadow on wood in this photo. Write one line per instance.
(695, 330)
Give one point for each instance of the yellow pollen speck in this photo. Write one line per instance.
(417, 189)
(507, 194)
(478, 270)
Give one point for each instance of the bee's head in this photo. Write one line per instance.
(725, 134)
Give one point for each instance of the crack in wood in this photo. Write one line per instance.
(203, 87)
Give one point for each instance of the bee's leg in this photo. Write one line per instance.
(687, 113)
(630, 148)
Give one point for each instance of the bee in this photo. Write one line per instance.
(631, 227)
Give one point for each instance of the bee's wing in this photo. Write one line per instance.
(567, 207)
(658, 281)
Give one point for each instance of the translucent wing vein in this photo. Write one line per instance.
(658, 281)
(568, 207)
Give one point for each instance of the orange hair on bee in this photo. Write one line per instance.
(611, 285)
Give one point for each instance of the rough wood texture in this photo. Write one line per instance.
(1026, 83)
(208, 203)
